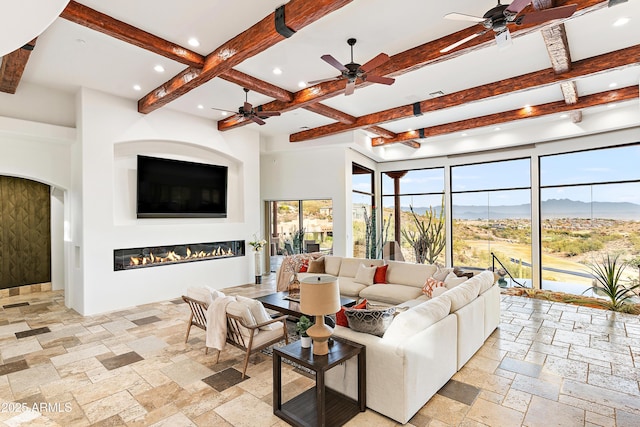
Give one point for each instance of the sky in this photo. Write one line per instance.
(603, 167)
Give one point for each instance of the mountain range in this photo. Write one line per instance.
(550, 209)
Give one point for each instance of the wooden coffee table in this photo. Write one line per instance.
(279, 302)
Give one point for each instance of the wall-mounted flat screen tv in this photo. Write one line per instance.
(178, 189)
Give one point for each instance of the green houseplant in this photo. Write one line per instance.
(301, 327)
(608, 283)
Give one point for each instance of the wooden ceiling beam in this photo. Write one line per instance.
(97, 21)
(256, 39)
(91, 18)
(381, 132)
(621, 58)
(332, 113)
(257, 85)
(12, 67)
(411, 60)
(618, 95)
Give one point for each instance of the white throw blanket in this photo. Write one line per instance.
(217, 322)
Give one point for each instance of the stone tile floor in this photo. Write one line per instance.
(548, 364)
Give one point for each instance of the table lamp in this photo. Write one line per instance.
(319, 295)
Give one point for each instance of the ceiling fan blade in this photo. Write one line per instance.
(257, 120)
(315, 82)
(503, 39)
(461, 42)
(549, 14)
(333, 62)
(462, 17)
(375, 62)
(517, 5)
(267, 113)
(223, 110)
(380, 79)
(351, 86)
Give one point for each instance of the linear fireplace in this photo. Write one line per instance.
(127, 259)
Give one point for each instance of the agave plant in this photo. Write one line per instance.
(608, 278)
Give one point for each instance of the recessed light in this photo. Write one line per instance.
(224, 113)
(611, 106)
(564, 116)
(159, 68)
(464, 134)
(621, 21)
(137, 87)
(200, 106)
(193, 42)
(304, 128)
(409, 130)
(277, 71)
(614, 84)
(496, 128)
(302, 84)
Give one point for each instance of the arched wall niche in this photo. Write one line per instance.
(125, 169)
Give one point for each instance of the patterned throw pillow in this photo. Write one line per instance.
(304, 267)
(341, 318)
(430, 285)
(374, 322)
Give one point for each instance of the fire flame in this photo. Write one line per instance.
(174, 257)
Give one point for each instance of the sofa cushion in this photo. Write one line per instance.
(349, 266)
(417, 319)
(381, 274)
(373, 322)
(390, 293)
(486, 279)
(405, 273)
(462, 295)
(332, 264)
(316, 266)
(365, 274)
(350, 288)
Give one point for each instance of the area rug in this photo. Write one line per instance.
(293, 336)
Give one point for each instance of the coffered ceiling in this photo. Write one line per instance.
(573, 66)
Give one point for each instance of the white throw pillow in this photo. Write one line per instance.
(451, 281)
(365, 274)
(258, 312)
(442, 273)
(200, 293)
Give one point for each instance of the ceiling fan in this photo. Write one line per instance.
(353, 71)
(500, 16)
(248, 112)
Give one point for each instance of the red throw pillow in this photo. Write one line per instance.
(381, 274)
(341, 318)
(304, 267)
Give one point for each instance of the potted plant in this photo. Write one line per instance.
(608, 283)
(301, 327)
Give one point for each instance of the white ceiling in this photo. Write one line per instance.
(68, 56)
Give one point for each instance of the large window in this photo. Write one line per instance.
(411, 199)
(589, 206)
(362, 200)
(491, 209)
(298, 226)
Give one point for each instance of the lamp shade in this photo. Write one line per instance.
(319, 295)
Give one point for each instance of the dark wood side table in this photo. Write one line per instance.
(319, 406)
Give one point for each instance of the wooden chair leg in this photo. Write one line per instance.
(217, 356)
(246, 363)
(188, 328)
(206, 350)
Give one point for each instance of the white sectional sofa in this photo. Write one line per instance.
(422, 348)
(404, 281)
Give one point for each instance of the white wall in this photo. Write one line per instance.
(112, 132)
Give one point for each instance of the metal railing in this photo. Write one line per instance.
(501, 282)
